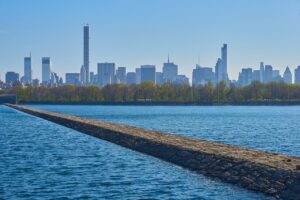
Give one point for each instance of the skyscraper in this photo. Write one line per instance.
(159, 78)
(297, 75)
(287, 76)
(202, 75)
(46, 70)
(276, 77)
(256, 75)
(121, 75)
(106, 73)
(245, 77)
(130, 78)
(148, 73)
(218, 71)
(268, 74)
(181, 79)
(11, 78)
(262, 72)
(170, 71)
(82, 75)
(221, 66)
(27, 70)
(138, 75)
(86, 53)
(72, 78)
(224, 62)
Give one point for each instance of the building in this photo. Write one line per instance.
(106, 73)
(138, 75)
(46, 70)
(36, 82)
(287, 76)
(83, 74)
(297, 75)
(245, 77)
(159, 78)
(148, 73)
(276, 76)
(121, 75)
(221, 66)
(218, 71)
(224, 63)
(86, 53)
(202, 75)
(169, 71)
(181, 80)
(54, 80)
(72, 78)
(262, 72)
(130, 78)
(256, 75)
(268, 74)
(11, 78)
(27, 70)
(93, 78)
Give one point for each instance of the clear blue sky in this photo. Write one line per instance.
(135, 32)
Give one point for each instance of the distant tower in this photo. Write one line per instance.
(169, 71)
(148, 73)
(224, 63)
(287, 76)
(218, 71)
(83, 74)
(221, 66)
(261, 72)
(86, 53)
(297, 75)
(27, 70)
(46, 70)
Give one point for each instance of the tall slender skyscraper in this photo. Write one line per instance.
(86, 53)
(46, 70)
(224, 61)
(27, 70)
(261, 72)
(221, 66)
(218, 71)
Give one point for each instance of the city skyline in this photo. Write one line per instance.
(187, 36)
(108, 73)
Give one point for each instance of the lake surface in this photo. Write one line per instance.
(42, 160)
(269, 128)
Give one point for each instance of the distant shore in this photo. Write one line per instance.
(148, 93)
(262, 103)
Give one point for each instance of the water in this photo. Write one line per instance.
(269, 128)
(42, 160)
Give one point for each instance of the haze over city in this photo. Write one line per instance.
(133, 33)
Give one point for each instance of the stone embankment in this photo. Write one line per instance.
(272, 174)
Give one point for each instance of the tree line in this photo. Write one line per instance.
(150, 93)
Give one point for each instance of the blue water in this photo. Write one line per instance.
(270, 128)
(42, 160)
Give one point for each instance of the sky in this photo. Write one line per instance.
(137, 32)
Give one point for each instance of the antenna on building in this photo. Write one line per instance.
(168, 58)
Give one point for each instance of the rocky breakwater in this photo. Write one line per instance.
(272, 174)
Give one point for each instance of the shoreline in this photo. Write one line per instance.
(162, 104)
